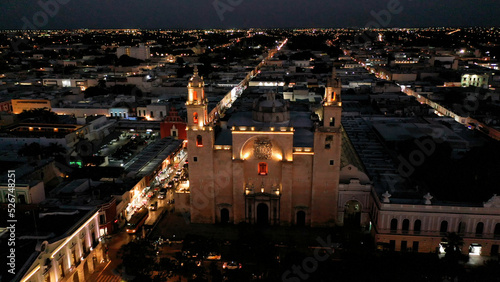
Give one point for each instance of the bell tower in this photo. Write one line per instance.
(200, 146)
(327, 151)
(332, 104)
(196, 104)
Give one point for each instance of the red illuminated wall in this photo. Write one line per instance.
(173, 119)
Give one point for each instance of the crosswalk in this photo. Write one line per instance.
(108, 278)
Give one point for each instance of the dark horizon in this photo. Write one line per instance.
(224, 14)
(243, 28)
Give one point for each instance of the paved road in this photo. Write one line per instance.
(108, 271)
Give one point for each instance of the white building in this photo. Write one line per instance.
(422, 226)
(142, 52)
(477, 80)
(32, 193)
(70, 257)
(153, 111)
(82, 83)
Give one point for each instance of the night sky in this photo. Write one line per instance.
(245, 13)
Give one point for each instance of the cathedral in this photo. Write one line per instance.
(268, 161)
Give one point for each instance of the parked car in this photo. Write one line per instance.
(213, 256)
(153, 206)
(230, 265)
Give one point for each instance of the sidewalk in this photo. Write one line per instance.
(107, 271)
(98, 271)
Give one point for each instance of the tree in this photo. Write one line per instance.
(138, 259)
(454, 244)
(95, 91)
(55, 149)
(127, 61)
(42, 115)
(101, 83)
(32, 150)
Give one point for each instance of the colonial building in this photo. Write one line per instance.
(72, 256)
(173, 126)
(269, 161)
(421, 225)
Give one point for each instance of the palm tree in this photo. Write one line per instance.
(40, 115)
(454, 244)
(32, 150)
(55, 149)
(138, 258)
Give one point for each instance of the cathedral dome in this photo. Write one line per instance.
(269, 109)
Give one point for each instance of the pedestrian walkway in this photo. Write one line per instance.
(108, 278)
(97, 271)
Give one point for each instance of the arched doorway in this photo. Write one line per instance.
(352, 214)
(262, 214)
(301, 218)
(86, 271)
(93, 239)
(76, 278)
(224, 215)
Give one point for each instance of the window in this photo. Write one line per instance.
(415, 246)
(195, 117)
(102, 219)
(174, 133)
(332, 121)
(497, 230)
(61, 268)
(394, 225)
(332, 162)
(195, 159)
(328, 141)
(404, 246)
(74, 261)
(161, 113)
(479, 229)
(417, 226)
(21, 199)
(262, 169)
(444, 226)
(406, 225)
(195, 96)
(461, 228)
(199, 141)
(151, 115)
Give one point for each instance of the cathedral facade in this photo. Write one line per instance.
(268, 162)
